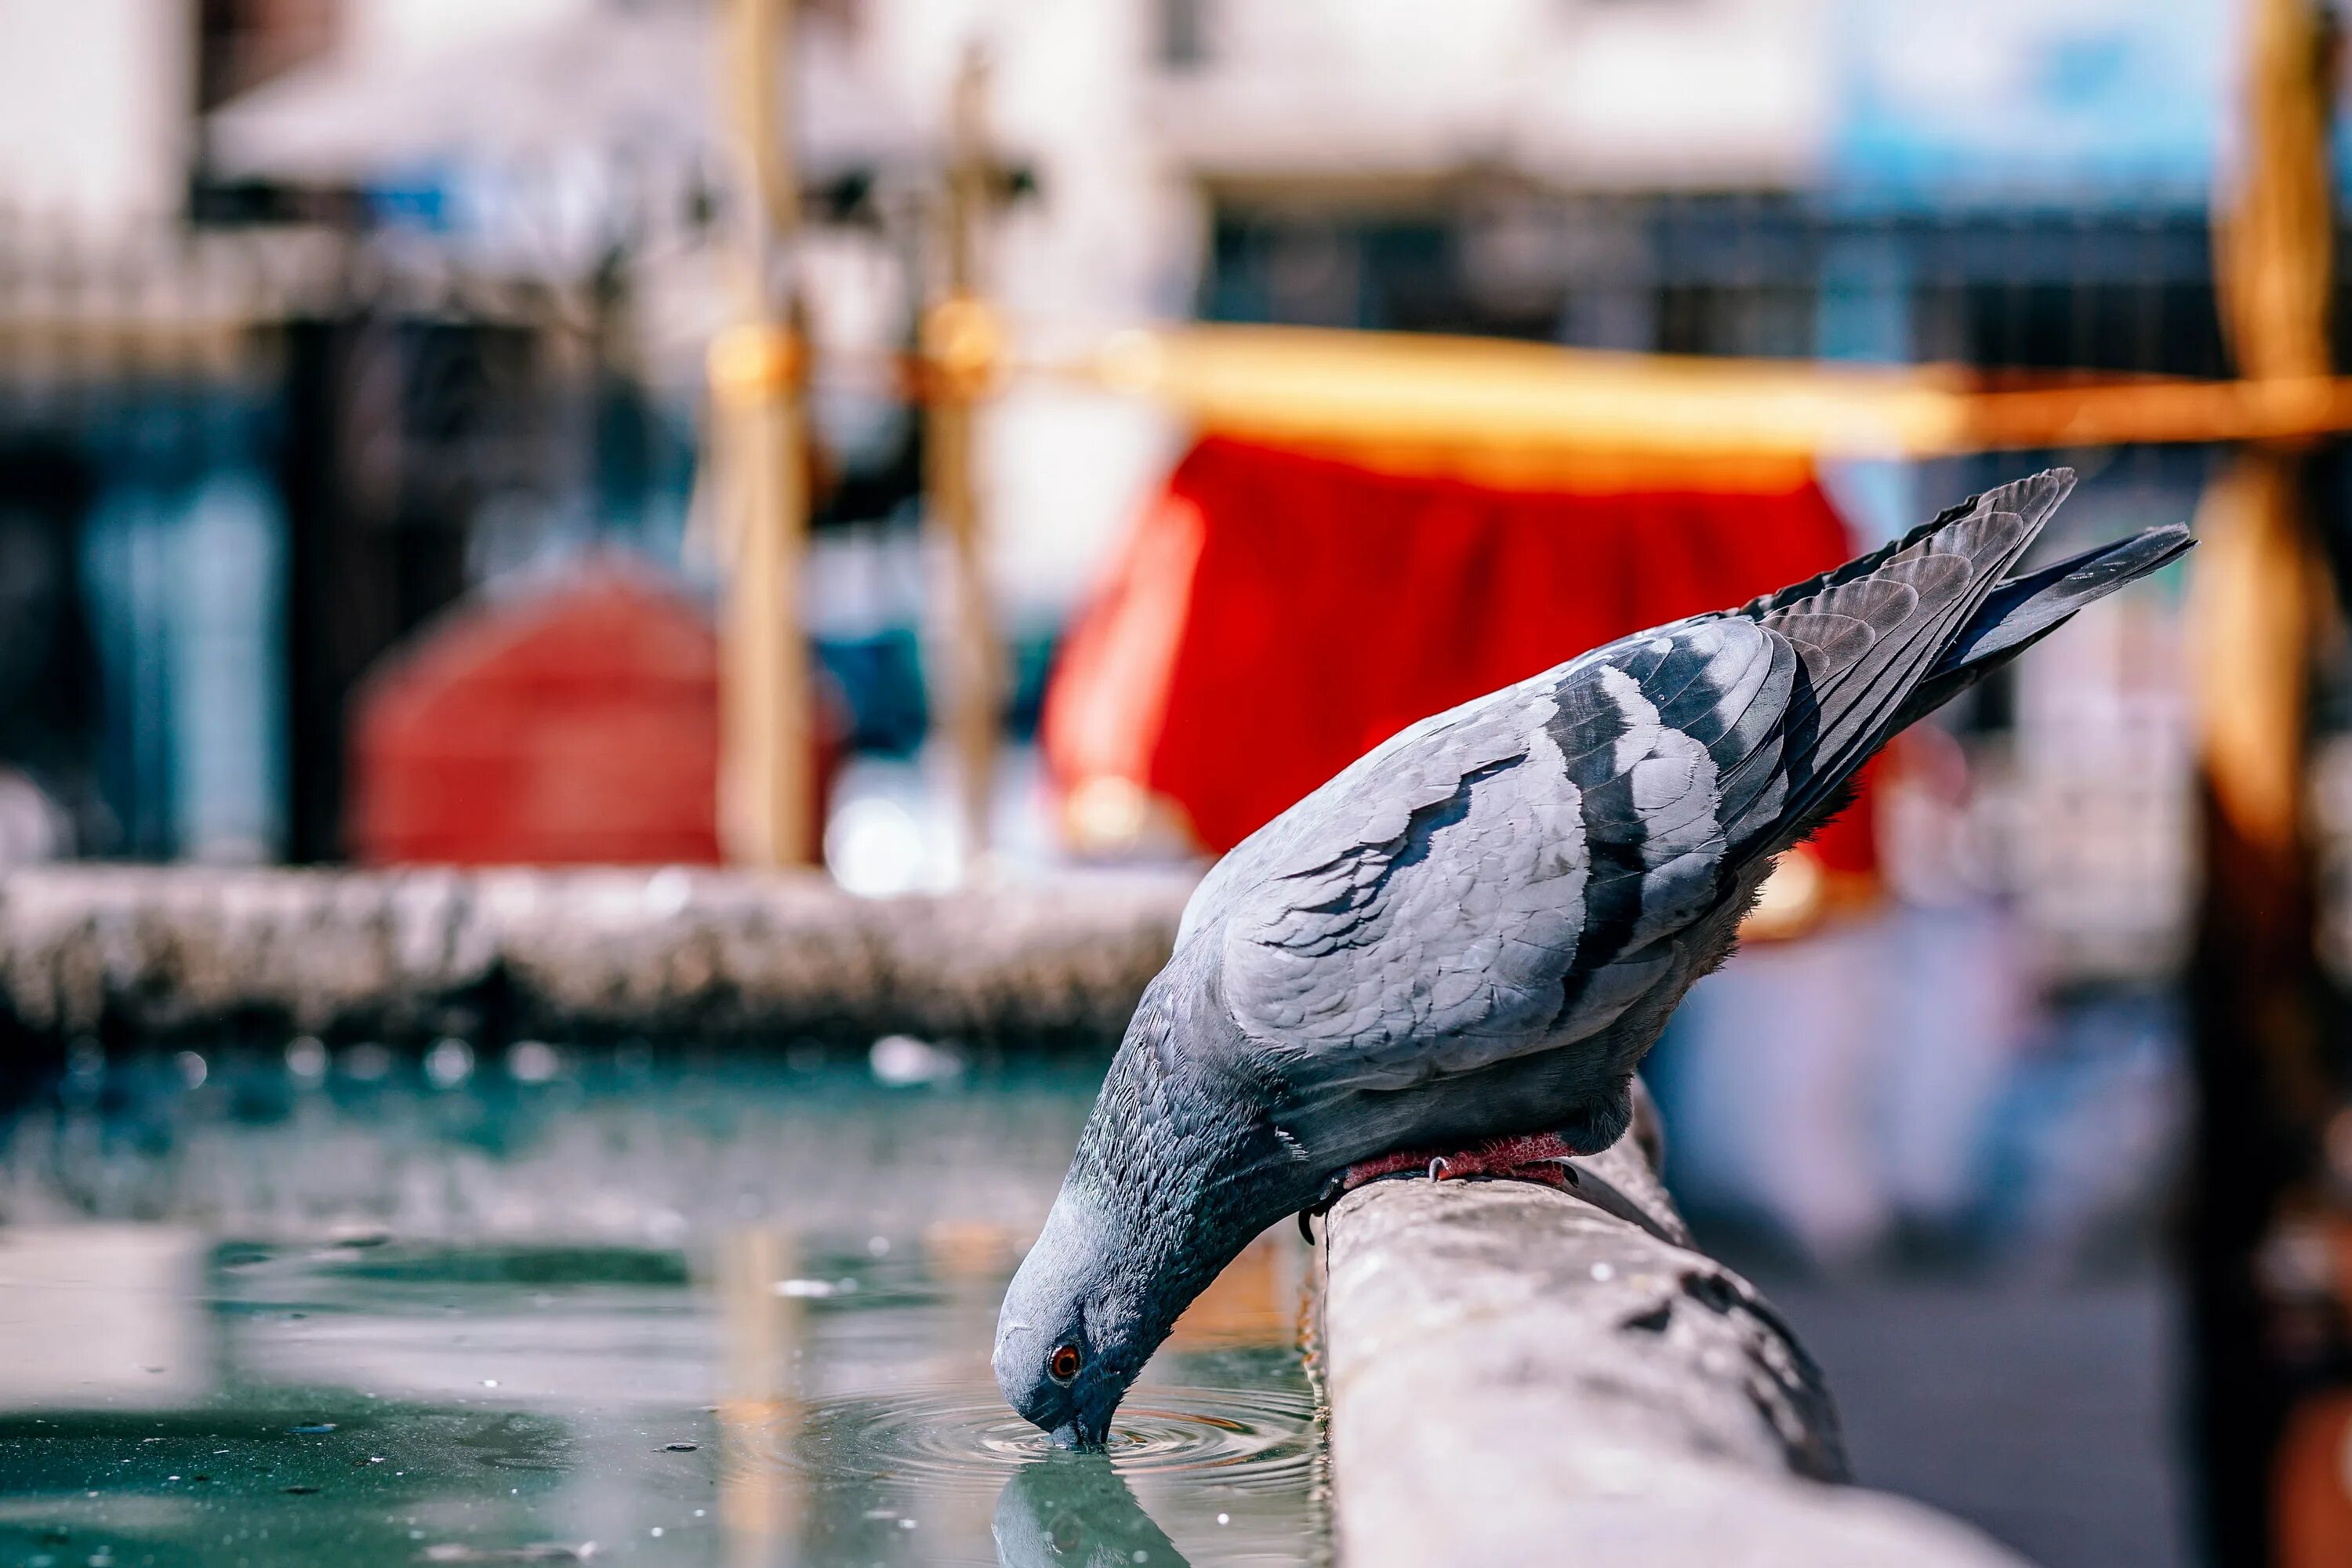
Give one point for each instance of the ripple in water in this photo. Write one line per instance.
(1253, 1439)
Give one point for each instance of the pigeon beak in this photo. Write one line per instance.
(1072, 1434)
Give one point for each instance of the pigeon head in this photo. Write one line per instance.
(1065, 1338)
(1170, 1183)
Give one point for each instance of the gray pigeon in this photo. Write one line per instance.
(1460, 948)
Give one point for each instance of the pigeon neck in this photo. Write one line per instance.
(1173, 1152)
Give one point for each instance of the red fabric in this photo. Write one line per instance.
(575, 725)
(1277, 615)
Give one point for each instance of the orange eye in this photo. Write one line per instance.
(1065, 1363)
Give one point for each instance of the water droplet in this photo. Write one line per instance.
(449, 1063)
(306, 1060)
(1602, 1273)
(532, 1061)
(901, 1061)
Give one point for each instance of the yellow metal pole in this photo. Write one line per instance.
(1518, 413)
(767, 791)
(963, 344)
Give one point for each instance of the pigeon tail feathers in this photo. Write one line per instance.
(2034, 497)
(2023, 610)
(1865, 636)
(1890, 636)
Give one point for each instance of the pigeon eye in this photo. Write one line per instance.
(1065, 1364)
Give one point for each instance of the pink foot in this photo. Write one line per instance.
(1532, 1157)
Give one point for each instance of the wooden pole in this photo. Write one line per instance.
(760, 1502)
(767, 792)
(963, 344)
(2260, 604)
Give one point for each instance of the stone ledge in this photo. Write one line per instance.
(162, 952)
(1519, 1376)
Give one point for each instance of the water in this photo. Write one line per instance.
(559, 1306)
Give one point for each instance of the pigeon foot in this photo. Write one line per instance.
(1531, 1157)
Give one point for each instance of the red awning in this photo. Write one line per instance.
(1276, 615)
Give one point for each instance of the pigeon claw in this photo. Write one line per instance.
(1533, 1157)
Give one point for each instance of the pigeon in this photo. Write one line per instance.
(1456, 953)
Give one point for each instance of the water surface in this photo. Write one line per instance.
(304, 1307)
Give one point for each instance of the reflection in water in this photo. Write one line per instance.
(1072, 1511)
(760, 1328)
(82, 1325)
(731, 1315)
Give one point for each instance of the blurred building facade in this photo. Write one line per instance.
(323, 315)
(504, 307)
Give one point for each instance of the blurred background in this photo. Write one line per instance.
(955, 442)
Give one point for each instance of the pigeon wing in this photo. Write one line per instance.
(1466, 893)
